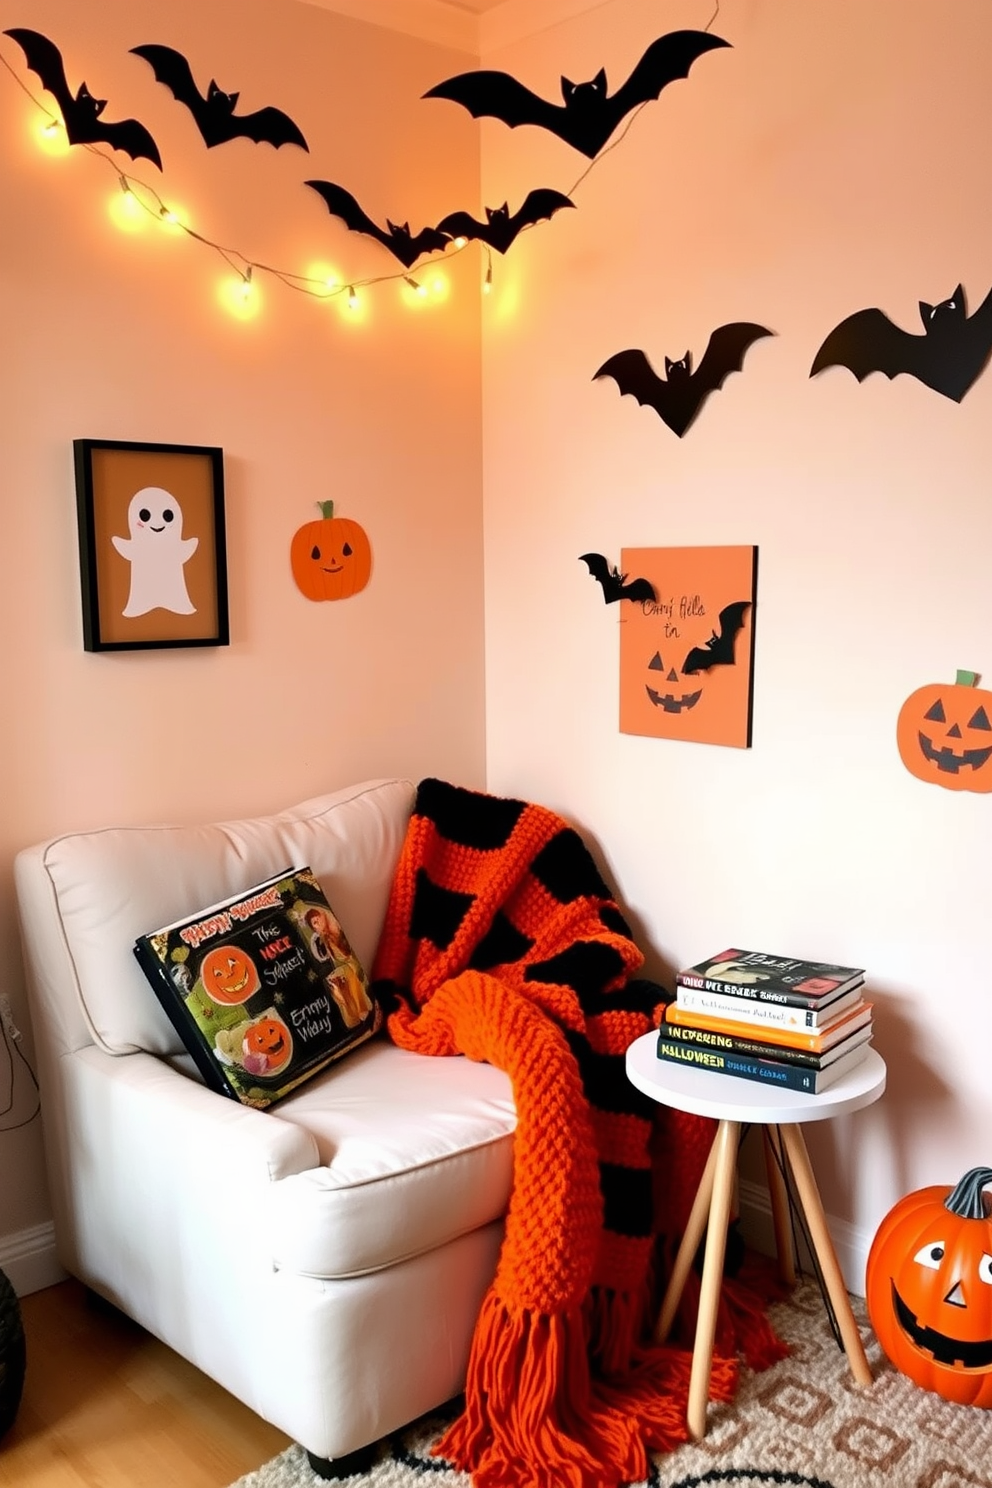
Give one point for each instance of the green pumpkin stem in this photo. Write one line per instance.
(966, 679)
(326, 509)
(966, 1199)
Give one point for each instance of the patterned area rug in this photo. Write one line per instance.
(803, 1423)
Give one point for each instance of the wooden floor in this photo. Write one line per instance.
(105, 1405)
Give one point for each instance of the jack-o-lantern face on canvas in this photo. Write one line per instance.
(686, 655)
(228, 975)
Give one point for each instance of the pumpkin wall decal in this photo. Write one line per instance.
(944, 733)
(331, 557)
(929, 1288)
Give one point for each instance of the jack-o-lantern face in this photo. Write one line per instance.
(944, 734)
(929, 1289)
(330, 558)
(228, 975)
(670, 694)
(267, 1046)
(717, 651)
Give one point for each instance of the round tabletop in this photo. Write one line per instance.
(732, 1098)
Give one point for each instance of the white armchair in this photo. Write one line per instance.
(324, 1260)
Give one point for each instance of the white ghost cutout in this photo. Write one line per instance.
(157, 552)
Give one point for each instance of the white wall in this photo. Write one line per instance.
(112, 335)
(834, 159)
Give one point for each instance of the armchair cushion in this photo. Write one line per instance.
(112, 885)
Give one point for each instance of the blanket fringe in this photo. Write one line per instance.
(528, 1420)
(535, 1417)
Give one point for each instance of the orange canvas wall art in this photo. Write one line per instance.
(687, 656)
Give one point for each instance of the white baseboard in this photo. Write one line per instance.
(851, 1244)
(28, 1258)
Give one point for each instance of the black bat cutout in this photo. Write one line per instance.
(947, 357)
(614, 582)
(500, 228)
(402, 244)
(678, 396)
(214, 114)
(719, 649)
(588, 115)
(82, 114)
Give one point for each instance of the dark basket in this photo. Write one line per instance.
(13, 1354)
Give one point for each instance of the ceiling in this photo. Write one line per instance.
(471, 25)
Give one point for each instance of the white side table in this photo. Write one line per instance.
(732, 1102)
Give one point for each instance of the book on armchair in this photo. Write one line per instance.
(263, 988)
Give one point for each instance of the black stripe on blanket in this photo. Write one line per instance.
(467, 817)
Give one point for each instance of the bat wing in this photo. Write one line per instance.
(268, 126)
(171, 68)
(868, 341)
(538, 206)
(725, 354)
(497, 95)
(462, 225)
(665, 60)
(341, 203)
(44, 58)
(977, 340)
(634, 375)
(719, 649)
(131, 137)
(638, 589)
(603, 574)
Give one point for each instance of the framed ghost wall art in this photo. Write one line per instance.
(152, 549)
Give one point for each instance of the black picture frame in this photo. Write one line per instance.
(149, 584)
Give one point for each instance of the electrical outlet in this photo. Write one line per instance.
(7, 1017)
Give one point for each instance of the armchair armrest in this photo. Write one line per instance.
(168, 1185)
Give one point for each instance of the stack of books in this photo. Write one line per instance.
(797, 1024)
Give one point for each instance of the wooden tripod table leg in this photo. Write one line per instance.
(724, 1169)
(809, 1198)
(695, 1226)
(780, 1204)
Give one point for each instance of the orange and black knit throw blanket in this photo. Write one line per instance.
(502, 943)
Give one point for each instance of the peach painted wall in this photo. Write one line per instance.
(836, 158)
(113, 335)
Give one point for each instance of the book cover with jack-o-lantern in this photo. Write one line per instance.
(687, 655)
(263, 988)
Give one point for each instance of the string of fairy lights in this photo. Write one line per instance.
(139, 197)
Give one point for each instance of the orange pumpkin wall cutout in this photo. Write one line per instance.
(331, 557)
(928, 1286)
(944, 733)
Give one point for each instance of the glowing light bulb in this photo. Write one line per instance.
(352, 298)
(460, 242)
(125, 208)
(51, 137)
(168, 216)
(487, 283)
(414, 285)
(239, 295)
